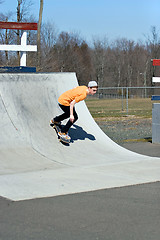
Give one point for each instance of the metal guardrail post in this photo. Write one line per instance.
(122, 99)
(127, 100)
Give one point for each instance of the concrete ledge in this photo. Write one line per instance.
(156, 123)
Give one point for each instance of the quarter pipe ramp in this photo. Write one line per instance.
(33, 164)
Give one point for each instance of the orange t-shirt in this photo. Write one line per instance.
(78, 94)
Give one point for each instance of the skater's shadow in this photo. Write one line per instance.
(78, 133)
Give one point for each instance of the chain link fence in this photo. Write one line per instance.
(125, 93)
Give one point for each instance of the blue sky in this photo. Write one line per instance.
(131, 19)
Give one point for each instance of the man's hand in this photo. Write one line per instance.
(71, 110)
(72, 118)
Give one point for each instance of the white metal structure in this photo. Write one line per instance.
(21, 48)
(155, 79)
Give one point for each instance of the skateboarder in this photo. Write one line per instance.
(67, 103)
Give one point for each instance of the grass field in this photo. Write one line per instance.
(106, 108)
(119, 126)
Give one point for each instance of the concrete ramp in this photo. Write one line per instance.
(33, 164)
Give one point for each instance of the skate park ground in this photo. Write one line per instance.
(125, 208)
(113, 214)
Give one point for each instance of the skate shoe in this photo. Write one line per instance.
(52, 123)
(64, 135)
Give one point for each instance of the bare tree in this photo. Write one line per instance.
(100, 59)
(72, 54)
(153, 50)
(19, 17)
(13, 36)
(39, 36)
(6, 35)
(23, 7)
(49, 36)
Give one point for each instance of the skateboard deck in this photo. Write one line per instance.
(61, 139)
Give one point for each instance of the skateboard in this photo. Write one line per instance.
(61, 139)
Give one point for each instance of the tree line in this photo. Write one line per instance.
(117, 63)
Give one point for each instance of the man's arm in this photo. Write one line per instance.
(71, 110)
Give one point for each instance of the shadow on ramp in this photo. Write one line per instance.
(78, 133)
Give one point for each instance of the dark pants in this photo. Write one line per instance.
(65, 115)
